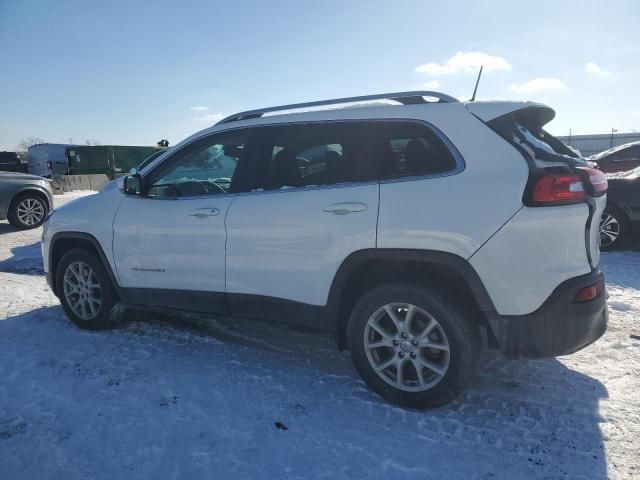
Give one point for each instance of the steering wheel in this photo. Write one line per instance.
(213, 188)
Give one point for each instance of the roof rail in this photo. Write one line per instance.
(405, 98)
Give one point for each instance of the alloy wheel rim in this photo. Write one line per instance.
(30, 211)
(406, 347)
(609, 230)
(82, 290)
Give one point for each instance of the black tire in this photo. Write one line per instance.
(462, 334)
(18, 202)
(109, 311)
(623, 228)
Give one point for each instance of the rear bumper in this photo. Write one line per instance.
(559, 327)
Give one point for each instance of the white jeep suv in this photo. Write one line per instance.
(406, 223)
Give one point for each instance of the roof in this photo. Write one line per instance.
(404, 98)
(485, 110)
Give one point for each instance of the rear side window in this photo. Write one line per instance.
(313, 154)
(404, 149)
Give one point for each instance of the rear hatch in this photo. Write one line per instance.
(558, 174)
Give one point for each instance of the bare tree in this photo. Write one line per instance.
(92, 141)
(24, 145)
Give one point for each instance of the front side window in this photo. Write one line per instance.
(405, 149)
(205, 168)
(313, 154)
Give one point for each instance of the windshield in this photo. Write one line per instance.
(151, 158)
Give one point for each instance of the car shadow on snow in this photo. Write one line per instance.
(6, 227)
(517, 419)
(25, 259)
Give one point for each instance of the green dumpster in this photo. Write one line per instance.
(112, 160)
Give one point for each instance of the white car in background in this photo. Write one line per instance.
(406, 228)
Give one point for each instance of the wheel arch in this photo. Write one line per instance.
(62, 242)
(620, 206)
(34, 190)
(362, 270)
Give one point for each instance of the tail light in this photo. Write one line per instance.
(553, 189)
(567, 188)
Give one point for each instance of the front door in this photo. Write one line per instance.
(169, 243)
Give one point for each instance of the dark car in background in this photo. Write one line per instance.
(10, 162)
(618, 159)
(621, 219)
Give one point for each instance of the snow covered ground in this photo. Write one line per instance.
(191, 398)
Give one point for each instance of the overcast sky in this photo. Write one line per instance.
(127, 72)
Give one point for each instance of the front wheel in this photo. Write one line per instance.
(85, 290)
(411, 346)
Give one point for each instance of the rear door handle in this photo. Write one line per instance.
(343, 208)
(205, 212)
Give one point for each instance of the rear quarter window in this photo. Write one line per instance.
(405, 149)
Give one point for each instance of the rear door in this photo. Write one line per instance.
(314, 201)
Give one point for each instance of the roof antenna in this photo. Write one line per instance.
(473, 98)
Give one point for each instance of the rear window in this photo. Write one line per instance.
(523, 128)
(626, 153)
(9, 157)
(618, 152)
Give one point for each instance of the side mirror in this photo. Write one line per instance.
(132, 184)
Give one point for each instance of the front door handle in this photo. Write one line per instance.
(343, 208)
(205, 212)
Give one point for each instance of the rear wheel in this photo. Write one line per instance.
(411, 346)
(613, 228)
(85, 290)
(27, 211)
